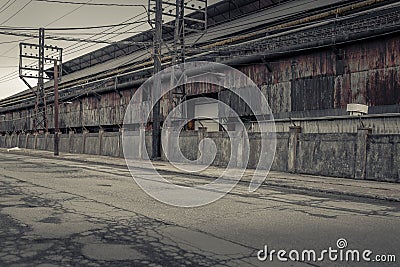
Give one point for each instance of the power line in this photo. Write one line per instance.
(98, 27)
(9, 79)
(17, 41)
(117, 25)
(91, 34)
(103, 32)
(102, 35)
(348, 16)
(60, 38)
(9, 28)
(70, 12)
(14, 75)
(121, 24)
(11, 76)
(37, 29)
(13, 15)
(5, 8)
(91, 4)
(1, 7)
(289, 50)
(3, 54)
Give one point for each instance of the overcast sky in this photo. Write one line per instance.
(41, 14)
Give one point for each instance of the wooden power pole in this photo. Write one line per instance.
(156, 133)
(56, 126)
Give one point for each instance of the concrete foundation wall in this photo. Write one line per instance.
(358, 155)
(41, 142)
(3, 141)
(383, 157)
(148, 143)
(223, 145)
(92, 144)
(111, 144)
(30, 144)
(188, 144)
(326, 154)
(77, 143)
(22, 141)
(131, 142)
(64, 143)
(14, 141)
(389, 124)
(8, 141)
(281, 155)
(50, 142)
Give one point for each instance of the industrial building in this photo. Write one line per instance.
(309, 58)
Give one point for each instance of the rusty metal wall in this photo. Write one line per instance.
(366, 72)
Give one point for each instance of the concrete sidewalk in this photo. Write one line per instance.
(331, 185)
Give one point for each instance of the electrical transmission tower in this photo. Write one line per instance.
(33, 60)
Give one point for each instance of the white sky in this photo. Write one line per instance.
(41, 14)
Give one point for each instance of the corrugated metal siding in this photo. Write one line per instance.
(312, 93)
(365, 72)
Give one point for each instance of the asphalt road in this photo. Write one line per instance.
(62, 213)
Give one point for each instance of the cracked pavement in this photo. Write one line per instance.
(65, 213)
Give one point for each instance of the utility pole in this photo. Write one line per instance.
(40, 107)
(156, 133)
(176, 10)
(179, 33)
(45, 56)
(177, 95)
(56, 127)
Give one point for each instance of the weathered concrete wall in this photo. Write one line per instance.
(8, 141)
(41, 142)
(223, 146)
(189, 144)
(30, 144)
(326, 154)
(21, 140)
(92, 144)
(281, 155)
(383, 157)
(148, 143)
(317, 154)
(111, 144)
(14, 141)
(77, 143)
(50, 142)
(388, 124)
(131, 141)
(3, 141)
(64, 144)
